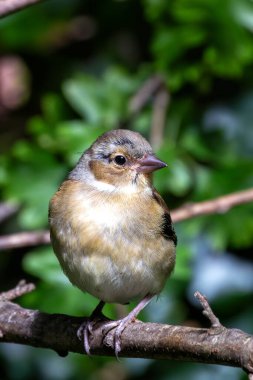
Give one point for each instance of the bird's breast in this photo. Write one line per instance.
(110, 246)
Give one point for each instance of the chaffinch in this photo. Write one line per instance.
(110, 229)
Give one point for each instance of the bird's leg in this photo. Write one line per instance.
(86, 327)
(97, 312)
(121, 324)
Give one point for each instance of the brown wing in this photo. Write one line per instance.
(167, 229)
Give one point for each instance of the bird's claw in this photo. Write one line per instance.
(86, 330)
(119, 326)
(83, 333)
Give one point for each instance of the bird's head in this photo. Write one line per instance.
(120, 159)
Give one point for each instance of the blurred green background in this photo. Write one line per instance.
(68, 72)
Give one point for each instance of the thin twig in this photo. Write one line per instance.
(160, 105)
(218, 205)
(146, 94)
(24, 239)
(143, 95)
(20, 289)
(11, 6)
(207, 311)
(7, 210)
(155, 89)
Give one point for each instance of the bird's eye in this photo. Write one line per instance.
(120, 160)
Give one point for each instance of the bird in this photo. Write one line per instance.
(111, 230)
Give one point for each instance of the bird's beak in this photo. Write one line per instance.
(149, 163)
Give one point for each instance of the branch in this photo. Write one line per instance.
(150, 87)
(19, 290)
(160, 105)
(11, 6)
(7, 210)
(217, 205)
(155, 91)
(207, 311)
(24, 239)
(216, 345)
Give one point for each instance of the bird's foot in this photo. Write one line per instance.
(119, 327)
(121, 324)
(85, 330)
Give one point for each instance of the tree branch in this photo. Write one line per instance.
(147, 340)
(160, 105)
(150, 87)
(21, 288)
(216, 345)
(218, 205)
(11, 6)
(207, 311)
(7, 210)
(24, 239)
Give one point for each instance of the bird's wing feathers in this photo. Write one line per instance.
(167, 229)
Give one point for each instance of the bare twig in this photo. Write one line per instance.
(24, 239)
(217, 205)
(207, 311)
(160, 105)
(143, 95)
(19, 290)
(154, 89)
(11, 6)
(7, 210)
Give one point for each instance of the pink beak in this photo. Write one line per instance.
(149, 163)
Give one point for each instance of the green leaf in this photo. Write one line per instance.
(182, 269)
(180, 178)
(32, 179)
(43, 264)
(83, 93)
(74, 137)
